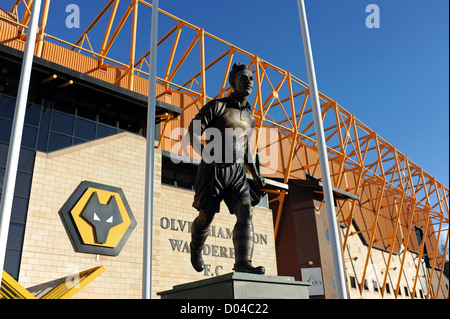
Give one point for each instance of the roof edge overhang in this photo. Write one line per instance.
(87, 81)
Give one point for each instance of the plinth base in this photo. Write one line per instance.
(237, 285)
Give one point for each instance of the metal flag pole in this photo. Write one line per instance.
(16, 133)
(149, 164)
(323, 158)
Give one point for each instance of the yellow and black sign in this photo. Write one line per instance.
(98, 219)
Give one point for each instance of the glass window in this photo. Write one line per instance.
(168, 177)
(5, 130)
(62, 123)
(366, 286)
(19, 210)
(58, 141)
(375, 285)
(29, 136)
(103, 131)
(84, 129)
(180, 175)
(4, 148)
(23, 184)
(26, 160)
(43, 131)
(15, 236)
(184, 180)
(32, 114)
(12, 262)
(2, 176)
(7, 106)
(353, 282)
(77, 141)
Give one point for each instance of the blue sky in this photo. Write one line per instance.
(395, 79)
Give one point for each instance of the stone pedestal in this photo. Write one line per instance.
(238, 285)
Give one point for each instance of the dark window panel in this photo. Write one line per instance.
(2, 177)
(58, 141)
(84, 129)
(12, 262)
(29, 136)
(26, 160)
(5, 130)
(7, 106)
(77, 141)
(62, 123)
(32, 114)
(4, 148)
(104, 131)
(43, 131)
(19, 210)
(15, 236)
(23, 184)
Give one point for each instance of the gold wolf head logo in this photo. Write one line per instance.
(98, 218)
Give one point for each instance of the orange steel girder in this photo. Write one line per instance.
(359, 159)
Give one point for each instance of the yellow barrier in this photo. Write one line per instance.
(11, 289)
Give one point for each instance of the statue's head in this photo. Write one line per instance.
(241, 79)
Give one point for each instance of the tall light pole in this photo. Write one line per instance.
(149, 163)
(323, 158)
(16, 133)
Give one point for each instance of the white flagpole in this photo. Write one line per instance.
(149, 164)
(16, 133)
(323, 158)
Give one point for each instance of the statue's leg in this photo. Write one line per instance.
(243, 238)
(199, 233)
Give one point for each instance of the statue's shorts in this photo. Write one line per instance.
(229, 183)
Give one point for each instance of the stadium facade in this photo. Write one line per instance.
(84, 138)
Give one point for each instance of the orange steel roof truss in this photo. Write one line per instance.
(395, 194)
